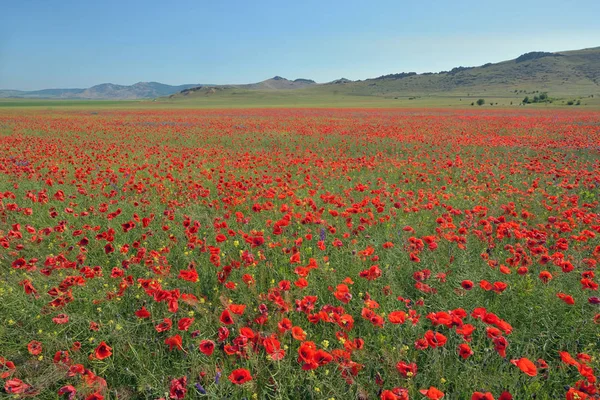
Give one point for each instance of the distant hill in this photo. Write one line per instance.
(279, 83)
(275, 83)
(341, 81)
(568, 73)
(105, 91)
(42, 94)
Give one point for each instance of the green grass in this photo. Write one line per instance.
(301, 98)
(317, 97)
(51, 104)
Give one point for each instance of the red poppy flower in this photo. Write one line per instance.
(342, 293)
(432, 393)
(185, 323)
(407, 370)
(371, 274)
(306, 352)
(62, 357)
(207, 347)
(466, 331)
(322, 357)
(568, 359)
(545, 276)
(397, 317)
(34, 347)
(226, 317)
(298, 333)
(247, 333)
(500, 345)
(435, 339)
(285, 325)
(295, 258)
(8, 365)
(174, 341)
(68, 389)
(464, 350)
(75, 370)
(178, 388)
(237, 309)
(102, 351)
(301, 283)
(421, 344)
(566, 298)
(108, 248)
(574, 394)
(526, 366)
(499, 287)
(164, 326)
(273, 348)
(189, 275)
(61, 319)
(223, 333)
(467, 285)
(388, 395)
(16, 386)
(482, 396)
(240, 376)
(142, 313)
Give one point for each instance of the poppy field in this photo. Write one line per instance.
(300, 253)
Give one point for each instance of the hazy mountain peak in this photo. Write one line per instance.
(104, 91)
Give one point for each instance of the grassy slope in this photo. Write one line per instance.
(254, 99)
(574, 74)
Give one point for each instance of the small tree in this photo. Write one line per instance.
(480, 102)
(526, 100)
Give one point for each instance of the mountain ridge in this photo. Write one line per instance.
(565, 73)
(103, 91)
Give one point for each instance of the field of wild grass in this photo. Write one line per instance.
(306, 254)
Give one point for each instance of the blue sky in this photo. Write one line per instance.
(79, 43)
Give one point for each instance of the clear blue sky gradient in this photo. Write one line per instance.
(80, 43)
